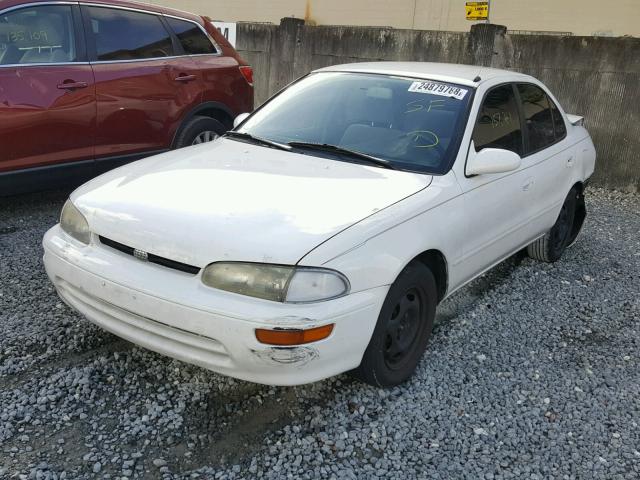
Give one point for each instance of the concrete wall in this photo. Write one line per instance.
(581, 17)
(598, 78)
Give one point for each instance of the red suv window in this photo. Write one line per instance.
(42, 34)
(146, 36)
(192, 38)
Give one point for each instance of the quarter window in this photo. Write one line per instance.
(127, 35)
(498, 124)
(191, 37)
(37, 35)
(538, 117)
(558, 121)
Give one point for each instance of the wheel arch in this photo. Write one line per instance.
(435, 261)
(216, 110)
(579, 186)
(581, 212)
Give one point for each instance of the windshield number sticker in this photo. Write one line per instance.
(438, 89)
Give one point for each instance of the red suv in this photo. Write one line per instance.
(87, 86)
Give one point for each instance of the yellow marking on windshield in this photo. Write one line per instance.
(417, 105)
(423, 135)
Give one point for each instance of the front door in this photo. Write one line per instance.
(47, 90)
(143, 87)
(494, 203)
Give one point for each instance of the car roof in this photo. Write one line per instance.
(147, 6)
(470, 75)
(115, 3)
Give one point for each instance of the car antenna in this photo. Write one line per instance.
(477, 79)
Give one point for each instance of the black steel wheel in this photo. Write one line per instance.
(403, 329)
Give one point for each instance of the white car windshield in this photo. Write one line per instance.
(412, 124)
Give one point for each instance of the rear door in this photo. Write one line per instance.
(143, 87)
(47, 90)
(547, 156)
(221, 79)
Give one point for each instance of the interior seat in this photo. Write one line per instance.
(10, 55)
(36, 55)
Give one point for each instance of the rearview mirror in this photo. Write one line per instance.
(491, 160)
(239, 119)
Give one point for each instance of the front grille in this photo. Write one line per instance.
(151, 258)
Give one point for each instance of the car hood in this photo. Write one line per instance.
(230, 200)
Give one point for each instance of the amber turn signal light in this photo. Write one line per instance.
(293, 337)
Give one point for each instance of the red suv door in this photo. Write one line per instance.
(143, 89)
(222, 82)
(47, 91)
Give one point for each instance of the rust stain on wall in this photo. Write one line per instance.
(307, 14)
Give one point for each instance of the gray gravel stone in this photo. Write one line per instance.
(532, 372)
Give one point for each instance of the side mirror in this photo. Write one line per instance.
(491, 160)
(239, 119)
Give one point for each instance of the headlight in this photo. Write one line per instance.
(276, 282)
(74, 223)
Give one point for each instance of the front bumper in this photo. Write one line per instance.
(174, 314)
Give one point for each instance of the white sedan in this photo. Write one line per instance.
(319, 236)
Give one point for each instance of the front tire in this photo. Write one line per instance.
(552, 245)
(403, 329)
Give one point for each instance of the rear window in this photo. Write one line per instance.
(538, 117)
(558, 122)
(126, 35)
(191, 37)
(41, 34)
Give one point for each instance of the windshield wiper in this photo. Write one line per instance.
(257, 140)
(326, 147)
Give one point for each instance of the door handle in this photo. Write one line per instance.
(185, 78)
(69, 85)
(570, 162)
(528, 183)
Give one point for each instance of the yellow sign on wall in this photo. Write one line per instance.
(477, 10)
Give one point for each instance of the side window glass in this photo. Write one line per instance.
(558, 121)
(127, 35)
(538, 118)
(498, 123)
(42, 34)
(192, 38)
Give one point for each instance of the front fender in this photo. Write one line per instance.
(373, 252)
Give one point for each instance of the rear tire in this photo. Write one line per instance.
(403, 329)
(552, 245)
(199, 129)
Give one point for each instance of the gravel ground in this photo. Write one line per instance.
(532, 373)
